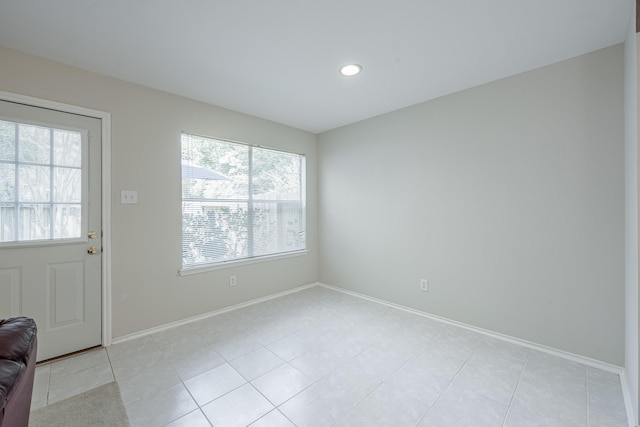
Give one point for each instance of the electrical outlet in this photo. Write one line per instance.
(232, 280)
(424, 285)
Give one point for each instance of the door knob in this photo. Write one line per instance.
(92, 250)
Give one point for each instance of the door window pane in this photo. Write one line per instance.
(67, 185)
(34, 144)
(40, 188)
(7, 223)
(67, 148)
(7, 140)
(7, 182)
(34, 183)
(34, 221)
(67, 221)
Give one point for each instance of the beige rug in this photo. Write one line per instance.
(100, 407)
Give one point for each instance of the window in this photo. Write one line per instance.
(239, 202)
(40, 183)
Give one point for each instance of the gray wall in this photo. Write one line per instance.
(146, 249)
(508, 198)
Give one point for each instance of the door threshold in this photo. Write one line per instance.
(67, 356)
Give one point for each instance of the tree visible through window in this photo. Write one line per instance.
(40, 183)
(239, 201)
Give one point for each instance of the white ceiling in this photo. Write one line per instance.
(279, 59)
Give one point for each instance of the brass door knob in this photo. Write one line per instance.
(92, 250)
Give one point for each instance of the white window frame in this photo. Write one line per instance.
(205, 267)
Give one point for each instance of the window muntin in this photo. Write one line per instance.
(40, 183)
(239, 202)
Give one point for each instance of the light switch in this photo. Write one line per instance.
(128, 197)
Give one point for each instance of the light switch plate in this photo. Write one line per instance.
(128, 197)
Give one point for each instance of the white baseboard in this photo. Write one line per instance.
(535, 346)
(627, 399)
(203, 316)
(549, 350)
(560, 353)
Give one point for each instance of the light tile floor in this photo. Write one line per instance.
(319, 357)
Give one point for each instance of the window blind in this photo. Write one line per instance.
(239, 201)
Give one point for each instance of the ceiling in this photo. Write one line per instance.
(279, 59)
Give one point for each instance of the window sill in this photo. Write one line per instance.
(239, 263)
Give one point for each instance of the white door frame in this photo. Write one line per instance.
(106, 193)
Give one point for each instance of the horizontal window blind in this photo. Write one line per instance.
(239, 201)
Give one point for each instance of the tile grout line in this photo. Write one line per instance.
(275, 408)
(365, 339)
(365, 396)
(354, 406)
(586, 373)
(199, 408)
(326, 375)
(72, 374)
(48, 386)
(247, 382)
(450, 382)
(286, 362)
(440, 332)
(524, 368)
(227, 362)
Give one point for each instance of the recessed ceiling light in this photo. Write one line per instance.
(350, 70)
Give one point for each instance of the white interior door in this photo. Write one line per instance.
(50, 225)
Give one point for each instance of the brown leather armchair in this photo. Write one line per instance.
(18, 346)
